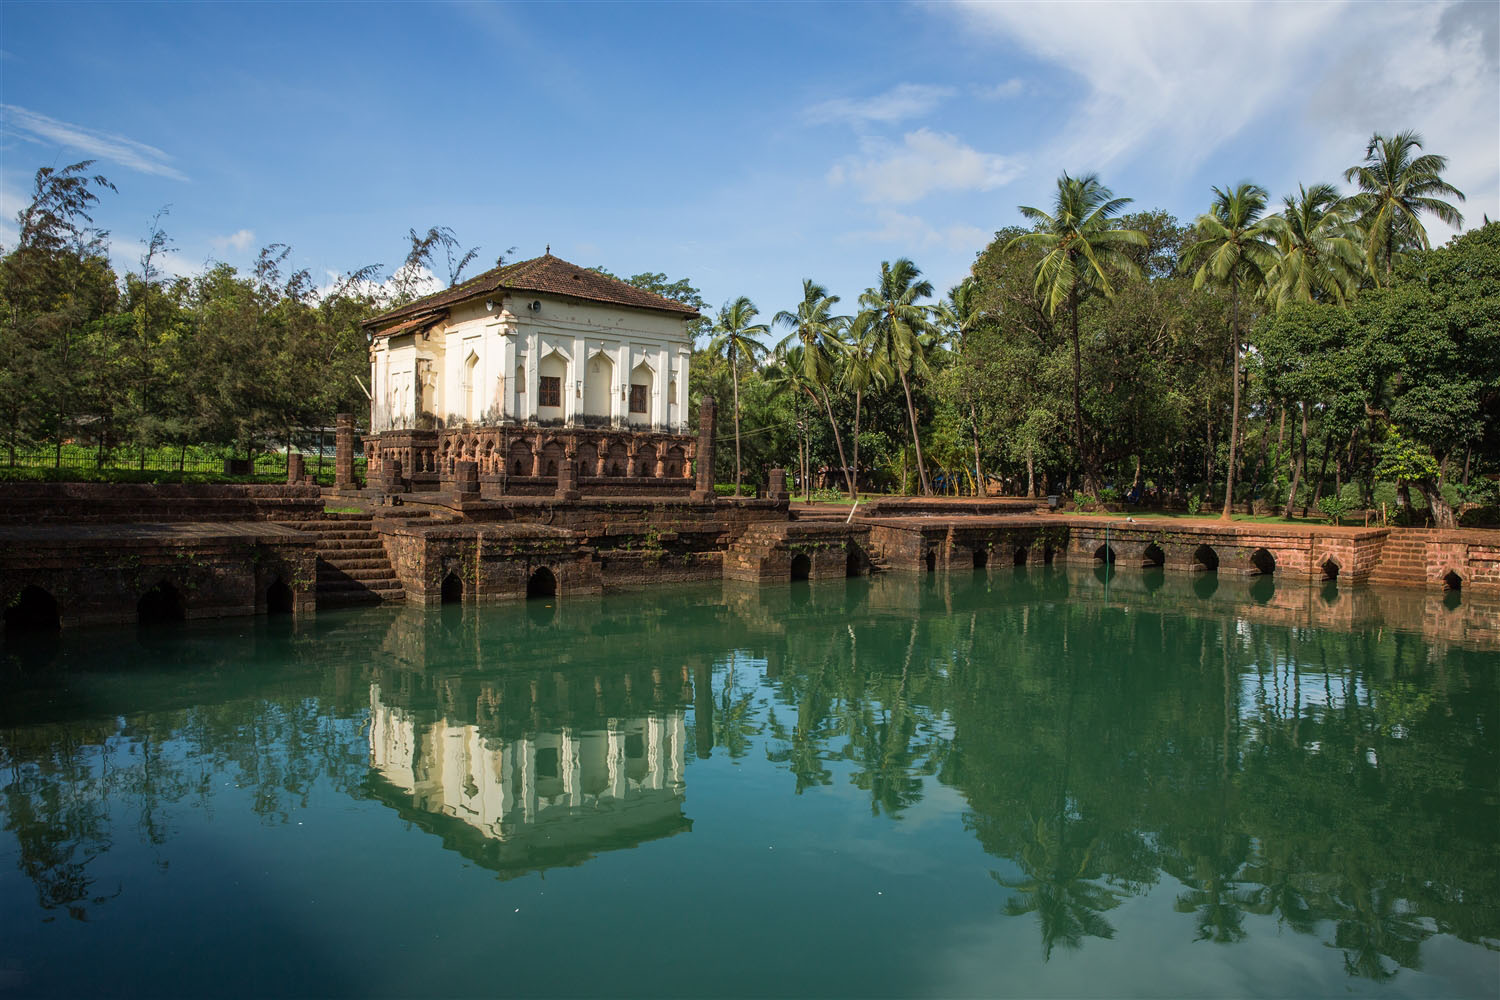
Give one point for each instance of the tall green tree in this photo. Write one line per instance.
(735, 337)
(958, 315)
(1396, 187)
(1319, 252)
(864, 370)
(55, 284)
(897, 328)
(817, 330)
(1234, 249)
(1081, 249)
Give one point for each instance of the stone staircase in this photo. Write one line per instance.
(352, 564)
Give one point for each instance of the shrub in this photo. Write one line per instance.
(1333, 508)
(1195, 504)
(1108, 494)
(1080, 499)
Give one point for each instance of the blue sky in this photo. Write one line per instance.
(742, 146)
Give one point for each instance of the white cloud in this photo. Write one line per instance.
(924, 162)
(1192, 74)
(1167, 85)
(910, 231)
(126, 152)
(239, 241)
(903, 101)
(1439, 74)
(1014, 87)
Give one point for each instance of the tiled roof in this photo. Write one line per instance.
(547, 275)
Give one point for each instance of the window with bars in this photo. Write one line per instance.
(549, 392)
(637, 399)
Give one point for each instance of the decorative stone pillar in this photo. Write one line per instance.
(466, 479)
(390, 476)
(707, 415)
(567, 480)
(296, 469)
(777, 489)
(343, 462)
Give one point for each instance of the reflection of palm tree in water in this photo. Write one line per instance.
(1373, 929)
(1060, 886)
(1219, 855)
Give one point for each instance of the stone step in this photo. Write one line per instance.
(373, 573)
(348, 544)
(332, 533)
(349, 599)
(345, 563)
(346, 586)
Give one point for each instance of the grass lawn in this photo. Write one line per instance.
(1157, 515)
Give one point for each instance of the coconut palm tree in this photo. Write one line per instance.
(958, 315)
(898, 330)
(1081, 250)
(817, 330)
(1234, 249)
(1320, 257)
(1395, 188)
(864, 369)
(785, 375)
(735, 337)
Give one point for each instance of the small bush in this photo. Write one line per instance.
(1333, 508)
(1080, 499)
(1108, 494)
(827, 494)
(727, 490)
(1195, 504)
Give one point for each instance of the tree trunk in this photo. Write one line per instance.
(1030, 476)
(1322, 475)
(1234, 409)
(734, 376)
(857, 395)
(916, 439)
(978, 474)
(1090, 483)
(1442, 514)
(1291, 496)
(1260, 463)
(839, 443)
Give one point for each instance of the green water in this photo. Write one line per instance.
(1000, 784)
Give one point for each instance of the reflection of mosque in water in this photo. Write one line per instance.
(553, 797)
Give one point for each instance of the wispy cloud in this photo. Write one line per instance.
(126, 152)
(924, 162)
(239, 241)
(1183, 81)
(1014, 87)
(1169, 82)
(913, 231)
(901, 102)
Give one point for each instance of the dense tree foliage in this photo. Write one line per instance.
(1318, 358)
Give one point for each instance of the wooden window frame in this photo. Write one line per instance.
(639, 391)
(549, 391)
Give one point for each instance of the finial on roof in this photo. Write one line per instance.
(548, 251)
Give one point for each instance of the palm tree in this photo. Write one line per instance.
(864, 369)
(814, 327)
(1319, 257)
(1234, 248)
(959, 314)
(785, 375)
(1394, 189)
(896, 328)
(734, 337)
(1080, 250)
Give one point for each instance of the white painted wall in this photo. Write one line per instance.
(511, 334)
